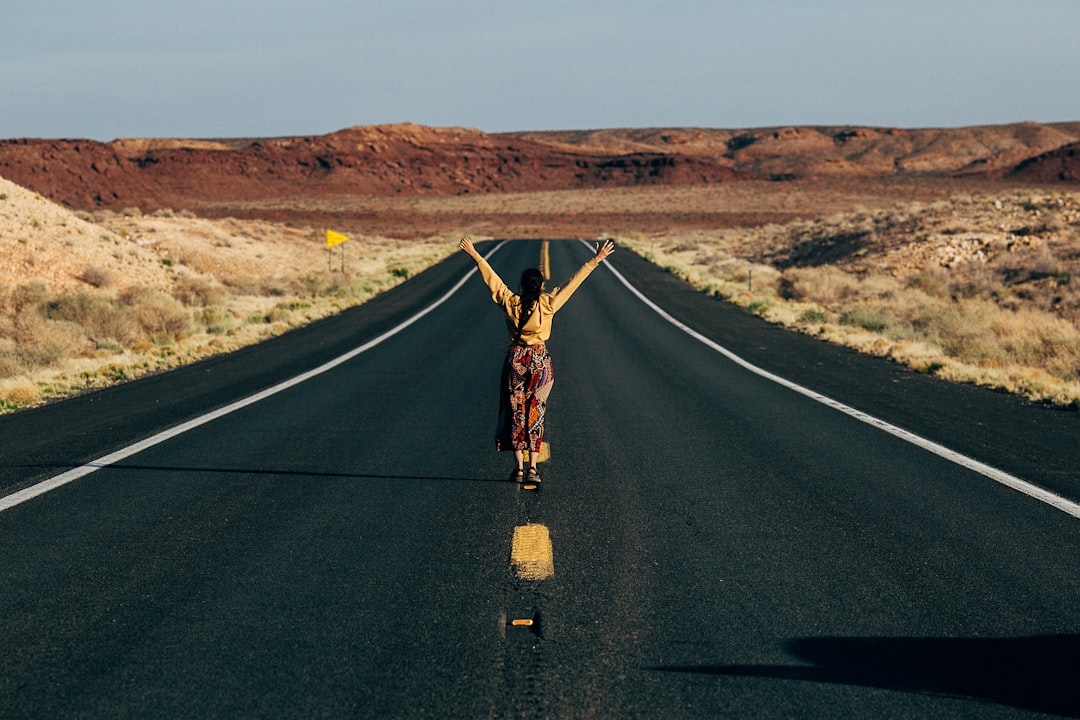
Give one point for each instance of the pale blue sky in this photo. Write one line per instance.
(244, 68)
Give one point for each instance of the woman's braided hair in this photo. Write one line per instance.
(532, 284)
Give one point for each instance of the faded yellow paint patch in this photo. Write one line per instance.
(543, 456)
(531, 555)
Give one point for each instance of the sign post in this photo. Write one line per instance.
(332, 239)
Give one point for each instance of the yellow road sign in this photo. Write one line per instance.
(334, 238)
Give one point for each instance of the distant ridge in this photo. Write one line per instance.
(1060, 165)
(415, 160)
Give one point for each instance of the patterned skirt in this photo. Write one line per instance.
(526, 382)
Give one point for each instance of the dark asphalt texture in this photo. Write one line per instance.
(723, 547)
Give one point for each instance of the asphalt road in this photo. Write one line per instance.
(722, 546)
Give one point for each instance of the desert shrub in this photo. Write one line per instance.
(164, 319)
(41, 342)
(96, 277)
(136, 294)
(15, 392)
(731, 271)
(933, 282)
(866, 319)
(97, 313)
(914, 312)
(976, 281)
(281, 314)
(882, 288)
(31, 357)
(1039, 340)
(216, 319)
(197, 292)
(825, 285)
(813, 316)
(1027, 263)
(683, 247)
(32, 293)
(11, 365)
(242, 284)
(675, 270)
(786, 288)
(10, 362)
(758, 307)
(311, 284)
(709, 257)
(962, 331)
(158, 314)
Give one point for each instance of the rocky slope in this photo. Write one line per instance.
(1059, 165)
(801, 152)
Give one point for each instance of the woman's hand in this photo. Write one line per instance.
(603, 251)
(467, 246)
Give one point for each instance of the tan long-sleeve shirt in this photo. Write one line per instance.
(538, 327)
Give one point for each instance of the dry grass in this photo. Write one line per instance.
(974, 289)
(90, 300)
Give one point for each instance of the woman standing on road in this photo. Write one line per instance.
(527, 373)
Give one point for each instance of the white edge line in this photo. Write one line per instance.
(1011, 481)
(64, 478)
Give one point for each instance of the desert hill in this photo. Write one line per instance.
(803, 152)
(366, 161)
(1059, 165)
(407, 160)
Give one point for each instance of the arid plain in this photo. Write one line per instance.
(952, 251)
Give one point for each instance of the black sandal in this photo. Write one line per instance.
(534, 478)
(516, 475)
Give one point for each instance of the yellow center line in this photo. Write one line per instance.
(530, 552)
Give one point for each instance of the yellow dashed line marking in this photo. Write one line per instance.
(530, 552)
(543, 456)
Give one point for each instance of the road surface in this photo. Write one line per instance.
(720, 545)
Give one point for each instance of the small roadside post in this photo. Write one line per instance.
(332, 239)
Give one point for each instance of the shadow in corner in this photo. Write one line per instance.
(1034, 673)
